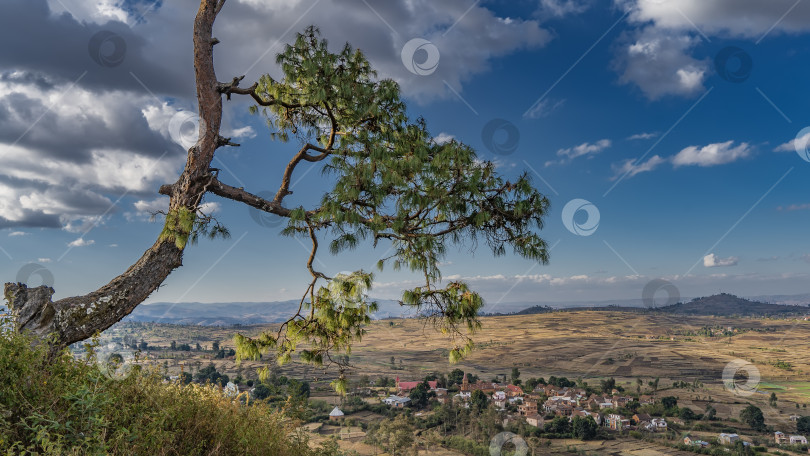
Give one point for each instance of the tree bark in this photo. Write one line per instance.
(77, 318)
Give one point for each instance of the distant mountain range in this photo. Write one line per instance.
(722, 304)
(253, 313)
(242, 313)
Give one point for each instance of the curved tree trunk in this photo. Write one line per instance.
(73, 319)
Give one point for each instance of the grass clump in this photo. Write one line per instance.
(66, 406)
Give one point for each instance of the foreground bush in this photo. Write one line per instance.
(69, 407)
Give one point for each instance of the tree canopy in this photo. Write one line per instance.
(390, 183)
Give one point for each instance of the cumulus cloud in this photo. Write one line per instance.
(799, 143)
(713, 261)
(75, 135)
(17, 233)
(712, 154)
(589, 149)
(750, 19)
(660, 64)
(80, 242)
(443, 138)
(630, 168)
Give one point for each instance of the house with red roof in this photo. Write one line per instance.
(406, 387)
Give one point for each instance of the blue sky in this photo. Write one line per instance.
(677, 121)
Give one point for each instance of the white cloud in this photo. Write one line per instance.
(144, 207)
(443, 138)
(80, 242)
(713, 261)
(658, 62)
(727, 18)
(638, 136)
(44, 260)
(795, 144)
(17, 233)
(712, 154)
(794, 207)
(628, 168)
(590, 149)
(560, 8)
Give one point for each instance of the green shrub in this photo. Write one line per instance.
(65, 406)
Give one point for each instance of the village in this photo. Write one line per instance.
(541, 405)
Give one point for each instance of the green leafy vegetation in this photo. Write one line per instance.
(64, 406)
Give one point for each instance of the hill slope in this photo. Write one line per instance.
(725, 304)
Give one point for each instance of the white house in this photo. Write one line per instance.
(728, 439)
(231, 390)
(798, 440)
(397, 401)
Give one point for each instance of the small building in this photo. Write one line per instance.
(779, 438)
(694, 442)
(396, 401)
(406, 387)
(527, 408)
(535, 420)
(641, 417)
(336, 414)
(658, 425)
(617, 422)
(728, 439)
(230, 389)
(798, 440)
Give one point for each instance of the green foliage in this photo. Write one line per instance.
(394, 436)
(392, 183)
(803, 425)
(478, 401)
(209, 374)
(752, 416)
(559, 425)
(669, 402)
(63, 406)
(584, 428)
(420, 396)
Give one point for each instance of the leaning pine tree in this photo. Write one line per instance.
(392, 183)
